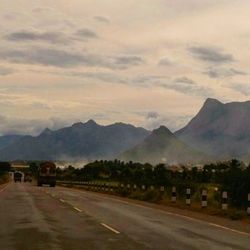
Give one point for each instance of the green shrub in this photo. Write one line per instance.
(151, 195)
(236, 214)
(136, 195)
(124, 192)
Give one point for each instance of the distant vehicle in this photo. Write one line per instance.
(28, 177)
(18, 176)
(47, 174)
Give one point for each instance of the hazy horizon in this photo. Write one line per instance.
(108, 124)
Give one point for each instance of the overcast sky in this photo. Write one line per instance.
(145, 62)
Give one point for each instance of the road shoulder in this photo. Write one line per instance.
(3, 187)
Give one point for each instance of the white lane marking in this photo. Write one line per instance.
(3, 188)
(143, 206)
(168, 213)
(77, 209)
(230, 229)
(110, 228)
(63, 201)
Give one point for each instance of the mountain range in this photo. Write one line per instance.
(7, 140)
(218, 132)
(86, 141)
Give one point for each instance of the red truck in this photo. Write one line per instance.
(46, 174)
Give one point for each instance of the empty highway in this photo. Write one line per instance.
(58, 218)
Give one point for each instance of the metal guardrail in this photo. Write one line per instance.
(110, 187)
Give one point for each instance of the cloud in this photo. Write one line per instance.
(182, 85)
(222, 73)
(211, 55)
(143, 81)
(188, 86)
(148, 80)
(152, 115)
(101, 76)
(6, 71)
(21, 126)
(153, 120)
(40, 105)
(44, 10)
(67, 59)
(184, 80)
(86, 34)
(31, 36)
(102, 19)
(55, 37)
(128, 60)
(16, 16)
(165, 62)
(243, 88)
(9, 99)
(47, 57)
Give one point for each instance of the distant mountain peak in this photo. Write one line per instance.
(77, 124)
(91, 122)
(162, 130)
(46, 131)
(162, 144)
(219, 129)
(210, 106)
(212, 101)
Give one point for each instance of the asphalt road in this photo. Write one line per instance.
(59, 218)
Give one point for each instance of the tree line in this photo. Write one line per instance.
(231, 176)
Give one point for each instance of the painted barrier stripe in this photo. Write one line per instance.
(110, 228)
